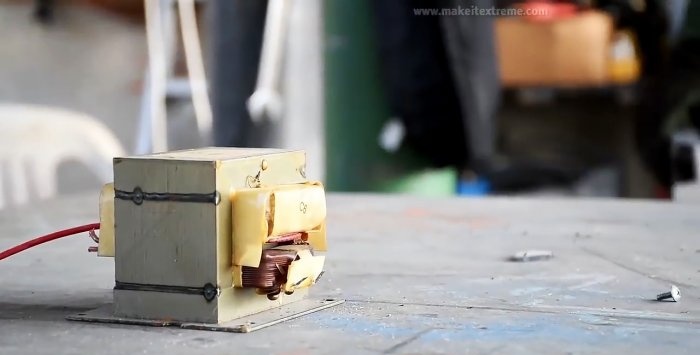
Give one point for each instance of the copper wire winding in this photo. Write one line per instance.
(271, 274)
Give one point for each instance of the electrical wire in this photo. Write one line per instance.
(47, 238)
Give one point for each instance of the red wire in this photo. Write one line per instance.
(47, 238)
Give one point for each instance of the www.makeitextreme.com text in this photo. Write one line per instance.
(478, 11)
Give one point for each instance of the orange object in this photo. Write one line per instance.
(625, 65)
(564, 52)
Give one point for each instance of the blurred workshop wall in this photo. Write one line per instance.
(131, 9)
(89, 58)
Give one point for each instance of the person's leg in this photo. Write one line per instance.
(470, 42)
(236, 32)
(663, 98)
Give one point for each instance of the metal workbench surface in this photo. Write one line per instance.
(420, 276)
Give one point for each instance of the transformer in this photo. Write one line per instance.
(206, 236)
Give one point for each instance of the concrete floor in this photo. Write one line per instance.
(436, 282)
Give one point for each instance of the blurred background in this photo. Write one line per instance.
(438, 98)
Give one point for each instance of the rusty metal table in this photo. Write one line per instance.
(420, 276)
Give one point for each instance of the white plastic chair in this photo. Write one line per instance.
(35, 140)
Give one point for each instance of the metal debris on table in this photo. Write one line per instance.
(674, 294)
(532, 255)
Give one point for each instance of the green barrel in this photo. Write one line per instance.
(356, 110)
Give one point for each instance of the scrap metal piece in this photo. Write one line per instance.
(531, 255)
(674, 294)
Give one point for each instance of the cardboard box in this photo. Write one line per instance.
(569, 52)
